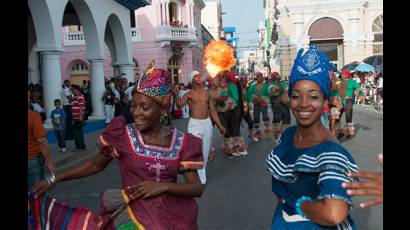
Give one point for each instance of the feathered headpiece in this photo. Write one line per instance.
(311, 65)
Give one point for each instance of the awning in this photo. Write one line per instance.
(134, 4)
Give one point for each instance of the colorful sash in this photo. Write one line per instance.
(47, 213)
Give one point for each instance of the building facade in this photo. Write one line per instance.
(104, 28)
(211, 17)
(347, 30)
(168, 32)
(172, 36)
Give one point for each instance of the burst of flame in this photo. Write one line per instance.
(218, 57)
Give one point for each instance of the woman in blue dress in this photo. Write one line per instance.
(308, 165)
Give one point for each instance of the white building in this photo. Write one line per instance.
(252, 61)
(347, 30)
(211, 17)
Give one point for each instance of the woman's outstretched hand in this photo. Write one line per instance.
(372, 187)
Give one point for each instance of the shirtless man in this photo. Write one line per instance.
(202, 107)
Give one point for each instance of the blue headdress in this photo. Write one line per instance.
(311, 65)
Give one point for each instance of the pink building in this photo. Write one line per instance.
(167, 31)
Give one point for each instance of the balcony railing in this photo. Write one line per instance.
(169, 33)
(74, 38)
(77, 38)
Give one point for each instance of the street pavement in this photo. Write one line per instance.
(238, 192)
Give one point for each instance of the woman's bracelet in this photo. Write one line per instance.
(51, 179)
(299, 203)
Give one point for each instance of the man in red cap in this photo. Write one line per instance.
(258, 94)
(279, 100)
(246, 108)
(348, 89)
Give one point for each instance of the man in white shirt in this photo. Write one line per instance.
(380, 82)
(128, 92)
(66, 98)
(380, 89)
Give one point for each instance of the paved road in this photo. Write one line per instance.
(238, 193)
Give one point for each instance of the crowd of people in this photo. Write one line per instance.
(371, 88)
(313, 176)
(72, 111)
(233, 98)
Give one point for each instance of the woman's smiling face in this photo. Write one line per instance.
(145, 110)
(306, 102)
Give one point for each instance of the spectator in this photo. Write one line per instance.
(37, 108)
(66, 99)
(380, 86)
(84, 87)
(58, 121)
(128, 92)
(78, 108)
(119, 94)
(88, 104)
(123, 96)
(109, 102)
(124, 83)
(38, 150)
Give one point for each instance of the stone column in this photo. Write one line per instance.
(167, 22)
(163, 15)
(354, 19)
(192, 14)
(298, 24)
(159, 14)
(187, 15)
(97, 87)
(51, 80)
(128, 70)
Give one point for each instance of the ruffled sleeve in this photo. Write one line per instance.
(336, 165)
(113, 141)
(191, 154)
(274, 164)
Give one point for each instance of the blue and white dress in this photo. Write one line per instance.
(317, 172)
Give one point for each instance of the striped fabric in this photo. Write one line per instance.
(50, 214)
(190, 165)
(78, 105)
(305, 163)
(47, 213)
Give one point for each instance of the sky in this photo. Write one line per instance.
(245, 15)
